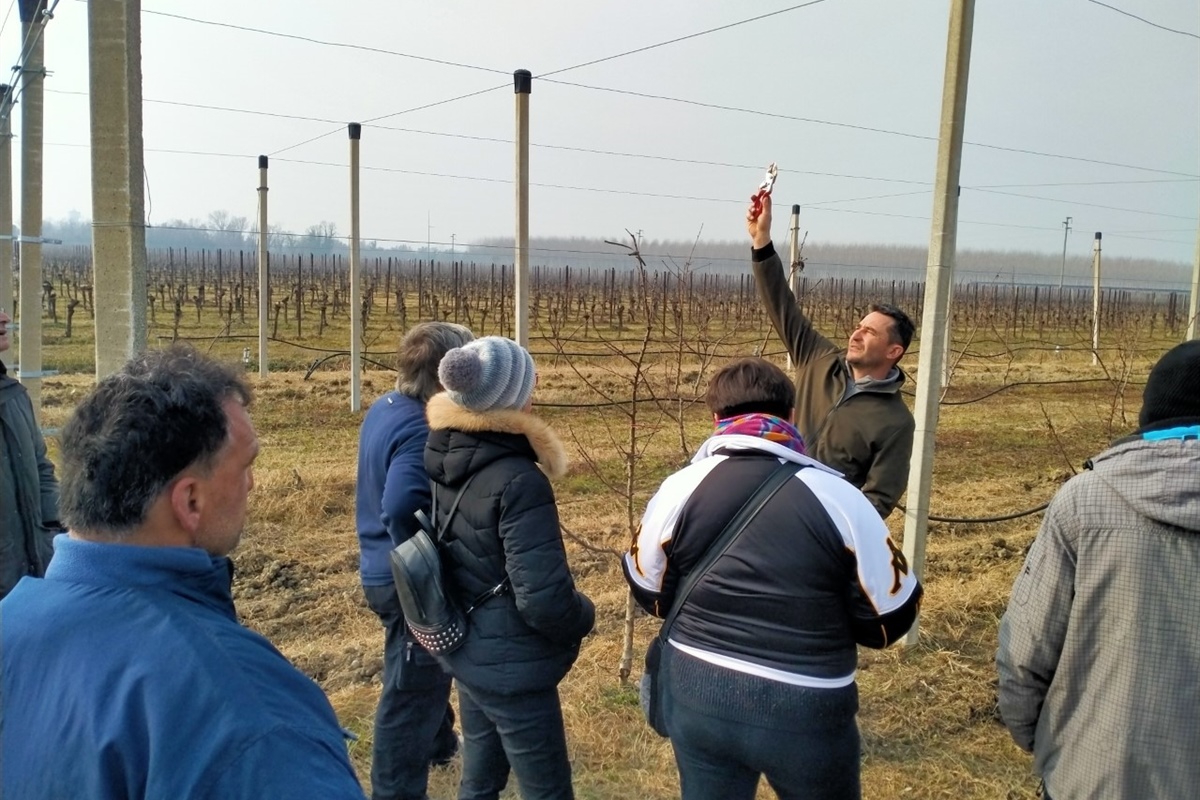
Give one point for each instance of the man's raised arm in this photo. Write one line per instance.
(777, 298)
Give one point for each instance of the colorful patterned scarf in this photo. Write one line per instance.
(763, 426)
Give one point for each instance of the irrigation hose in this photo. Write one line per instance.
(983, 520)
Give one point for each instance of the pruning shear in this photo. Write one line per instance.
(764, 189)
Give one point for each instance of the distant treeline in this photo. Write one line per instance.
(870, 261)
(222, 231)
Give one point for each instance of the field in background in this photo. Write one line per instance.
(1024, 409)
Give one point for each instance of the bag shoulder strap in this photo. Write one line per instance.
(444, 525)
(773, 483)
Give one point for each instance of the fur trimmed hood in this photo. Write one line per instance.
(444, 414)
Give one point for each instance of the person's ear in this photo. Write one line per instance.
(792, 415)
(895, 352)
(186, 502)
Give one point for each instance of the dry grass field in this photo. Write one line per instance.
(928, 712)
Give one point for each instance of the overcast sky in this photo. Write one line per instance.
(1060, 77)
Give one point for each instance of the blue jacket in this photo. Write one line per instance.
(125, 674)
(392, 483)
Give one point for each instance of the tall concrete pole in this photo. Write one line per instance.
(1193, 330)
(794, 260)
(33, 75)
(7, 245)
(523, 86)
(1062, 274)
(1096, 300)
(118, 175)
(264, 275)
(939, 275)
(355, 276)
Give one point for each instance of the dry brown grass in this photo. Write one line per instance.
(928, 713)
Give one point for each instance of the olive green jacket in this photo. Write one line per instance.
(867, 433)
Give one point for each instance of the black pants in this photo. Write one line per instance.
(524, 732)
(727, 728)
(414, 722)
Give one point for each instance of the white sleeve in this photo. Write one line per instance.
(883, 572)
(646, 561)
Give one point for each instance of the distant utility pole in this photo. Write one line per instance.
(32, 76)
(1096, 300)
(1193, 329)
(355, 130)
(7, 245)
(452, 237)
(1063, 273)
(264, 263)
(794, 261)
(522, 88)
(428, 238)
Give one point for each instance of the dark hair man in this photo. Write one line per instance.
(125, 671)
(1099, 645)
(758, 672)
(28, 489)
(414, 723)
(848, 405)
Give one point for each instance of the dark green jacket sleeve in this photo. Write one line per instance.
(795, 329)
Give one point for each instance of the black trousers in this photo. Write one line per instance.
(414, 722)
(727, 728)
(521, 732)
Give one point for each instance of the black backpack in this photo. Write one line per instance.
(435, 620)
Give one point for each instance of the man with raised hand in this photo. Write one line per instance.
(848, 403)
(125, 671)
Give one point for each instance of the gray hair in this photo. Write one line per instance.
(137, 430)
(421, 351)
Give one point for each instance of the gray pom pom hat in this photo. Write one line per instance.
(487, 374)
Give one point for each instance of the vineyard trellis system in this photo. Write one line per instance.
(308, 292)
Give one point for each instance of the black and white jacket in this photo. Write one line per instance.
(814, 574)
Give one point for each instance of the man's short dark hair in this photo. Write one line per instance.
(137, 430)
(750, 386)
(421, 351)
(902, 325)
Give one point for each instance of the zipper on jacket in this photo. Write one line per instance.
(811, 444)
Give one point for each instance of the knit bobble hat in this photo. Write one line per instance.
(488, 373)
(1173, 388)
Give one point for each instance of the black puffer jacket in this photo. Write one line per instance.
(506, 525)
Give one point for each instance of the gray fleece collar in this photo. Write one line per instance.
(889, 384)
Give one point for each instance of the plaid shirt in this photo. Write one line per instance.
(1100, 646)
